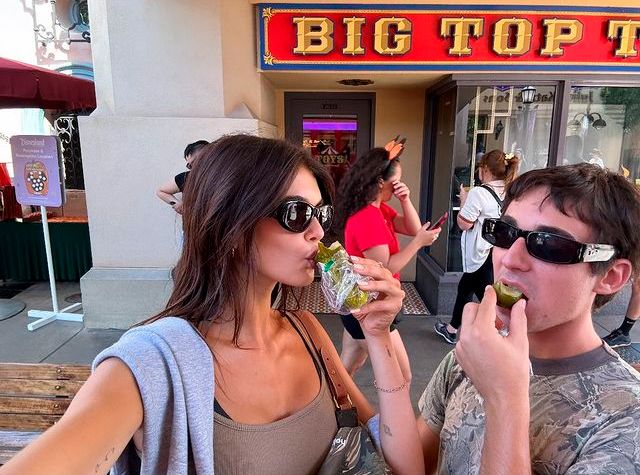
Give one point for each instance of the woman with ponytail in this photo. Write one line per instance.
(496, 171)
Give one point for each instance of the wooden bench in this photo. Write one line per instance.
(32, 398)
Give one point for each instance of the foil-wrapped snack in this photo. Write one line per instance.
(338, 280)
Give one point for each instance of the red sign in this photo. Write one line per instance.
(452, 38)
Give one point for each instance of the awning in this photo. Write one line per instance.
(27, 86)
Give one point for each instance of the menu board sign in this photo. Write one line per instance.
(37, 170)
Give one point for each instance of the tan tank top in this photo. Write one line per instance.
(296, 444)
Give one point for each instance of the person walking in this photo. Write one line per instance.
(620, 336)
(370, 225)
(496, 170)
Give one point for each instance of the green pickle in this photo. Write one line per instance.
(325, 253)
(507, 296)
(332, 259)
(356, 299)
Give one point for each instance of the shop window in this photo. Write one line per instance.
(603, 128)
(496, 117)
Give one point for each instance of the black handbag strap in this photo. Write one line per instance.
(493, 193)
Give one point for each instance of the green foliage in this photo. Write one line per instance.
(627, 96)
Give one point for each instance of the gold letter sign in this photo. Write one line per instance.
(627, 31)
(523, 31)
(402, 38)
(314, 35)
(461, 31)
(558, 32)
(354, 36)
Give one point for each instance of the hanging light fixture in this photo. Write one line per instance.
(589, 118)
(355, 82)
(528, 94)
(598, 123)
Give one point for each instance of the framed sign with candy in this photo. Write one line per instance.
(37, 167)
(37, 170)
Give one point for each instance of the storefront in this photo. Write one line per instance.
(551, 84)
(546, 121)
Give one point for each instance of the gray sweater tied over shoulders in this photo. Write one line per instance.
(173, 368)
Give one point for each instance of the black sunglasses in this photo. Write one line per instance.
(296, 215)
(545, 246)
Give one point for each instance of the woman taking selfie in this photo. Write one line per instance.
(219, 378)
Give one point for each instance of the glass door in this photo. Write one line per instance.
(516, 119)
(336, 128)
(333, 141)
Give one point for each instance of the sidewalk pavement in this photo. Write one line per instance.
(69, 342)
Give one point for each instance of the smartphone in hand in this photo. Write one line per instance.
(440, 221)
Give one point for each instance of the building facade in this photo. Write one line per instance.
(552, 84)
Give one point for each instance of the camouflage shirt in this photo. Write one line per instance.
(585, 416)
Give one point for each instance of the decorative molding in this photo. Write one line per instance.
(268, 58)
(49, 29)
(267, 13)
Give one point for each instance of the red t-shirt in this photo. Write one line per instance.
(369, 227)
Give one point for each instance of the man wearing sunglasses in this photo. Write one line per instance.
(567, 240)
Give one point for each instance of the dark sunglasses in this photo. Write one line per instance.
(296, 215)
(545, 246)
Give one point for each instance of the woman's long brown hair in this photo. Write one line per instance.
(235, 182)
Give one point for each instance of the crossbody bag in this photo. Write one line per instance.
(352, 450)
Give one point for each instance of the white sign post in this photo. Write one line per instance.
(38, 180)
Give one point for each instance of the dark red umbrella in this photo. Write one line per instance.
(24, 85)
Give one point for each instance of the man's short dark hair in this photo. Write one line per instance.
(194, 147)
(607, 202)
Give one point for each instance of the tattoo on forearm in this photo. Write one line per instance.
(105, 460)
(386, 430)
(388, 352)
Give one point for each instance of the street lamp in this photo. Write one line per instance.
(528, 94)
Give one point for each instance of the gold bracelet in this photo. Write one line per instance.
(390, 390)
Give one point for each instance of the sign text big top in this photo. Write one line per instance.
(448, 38)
